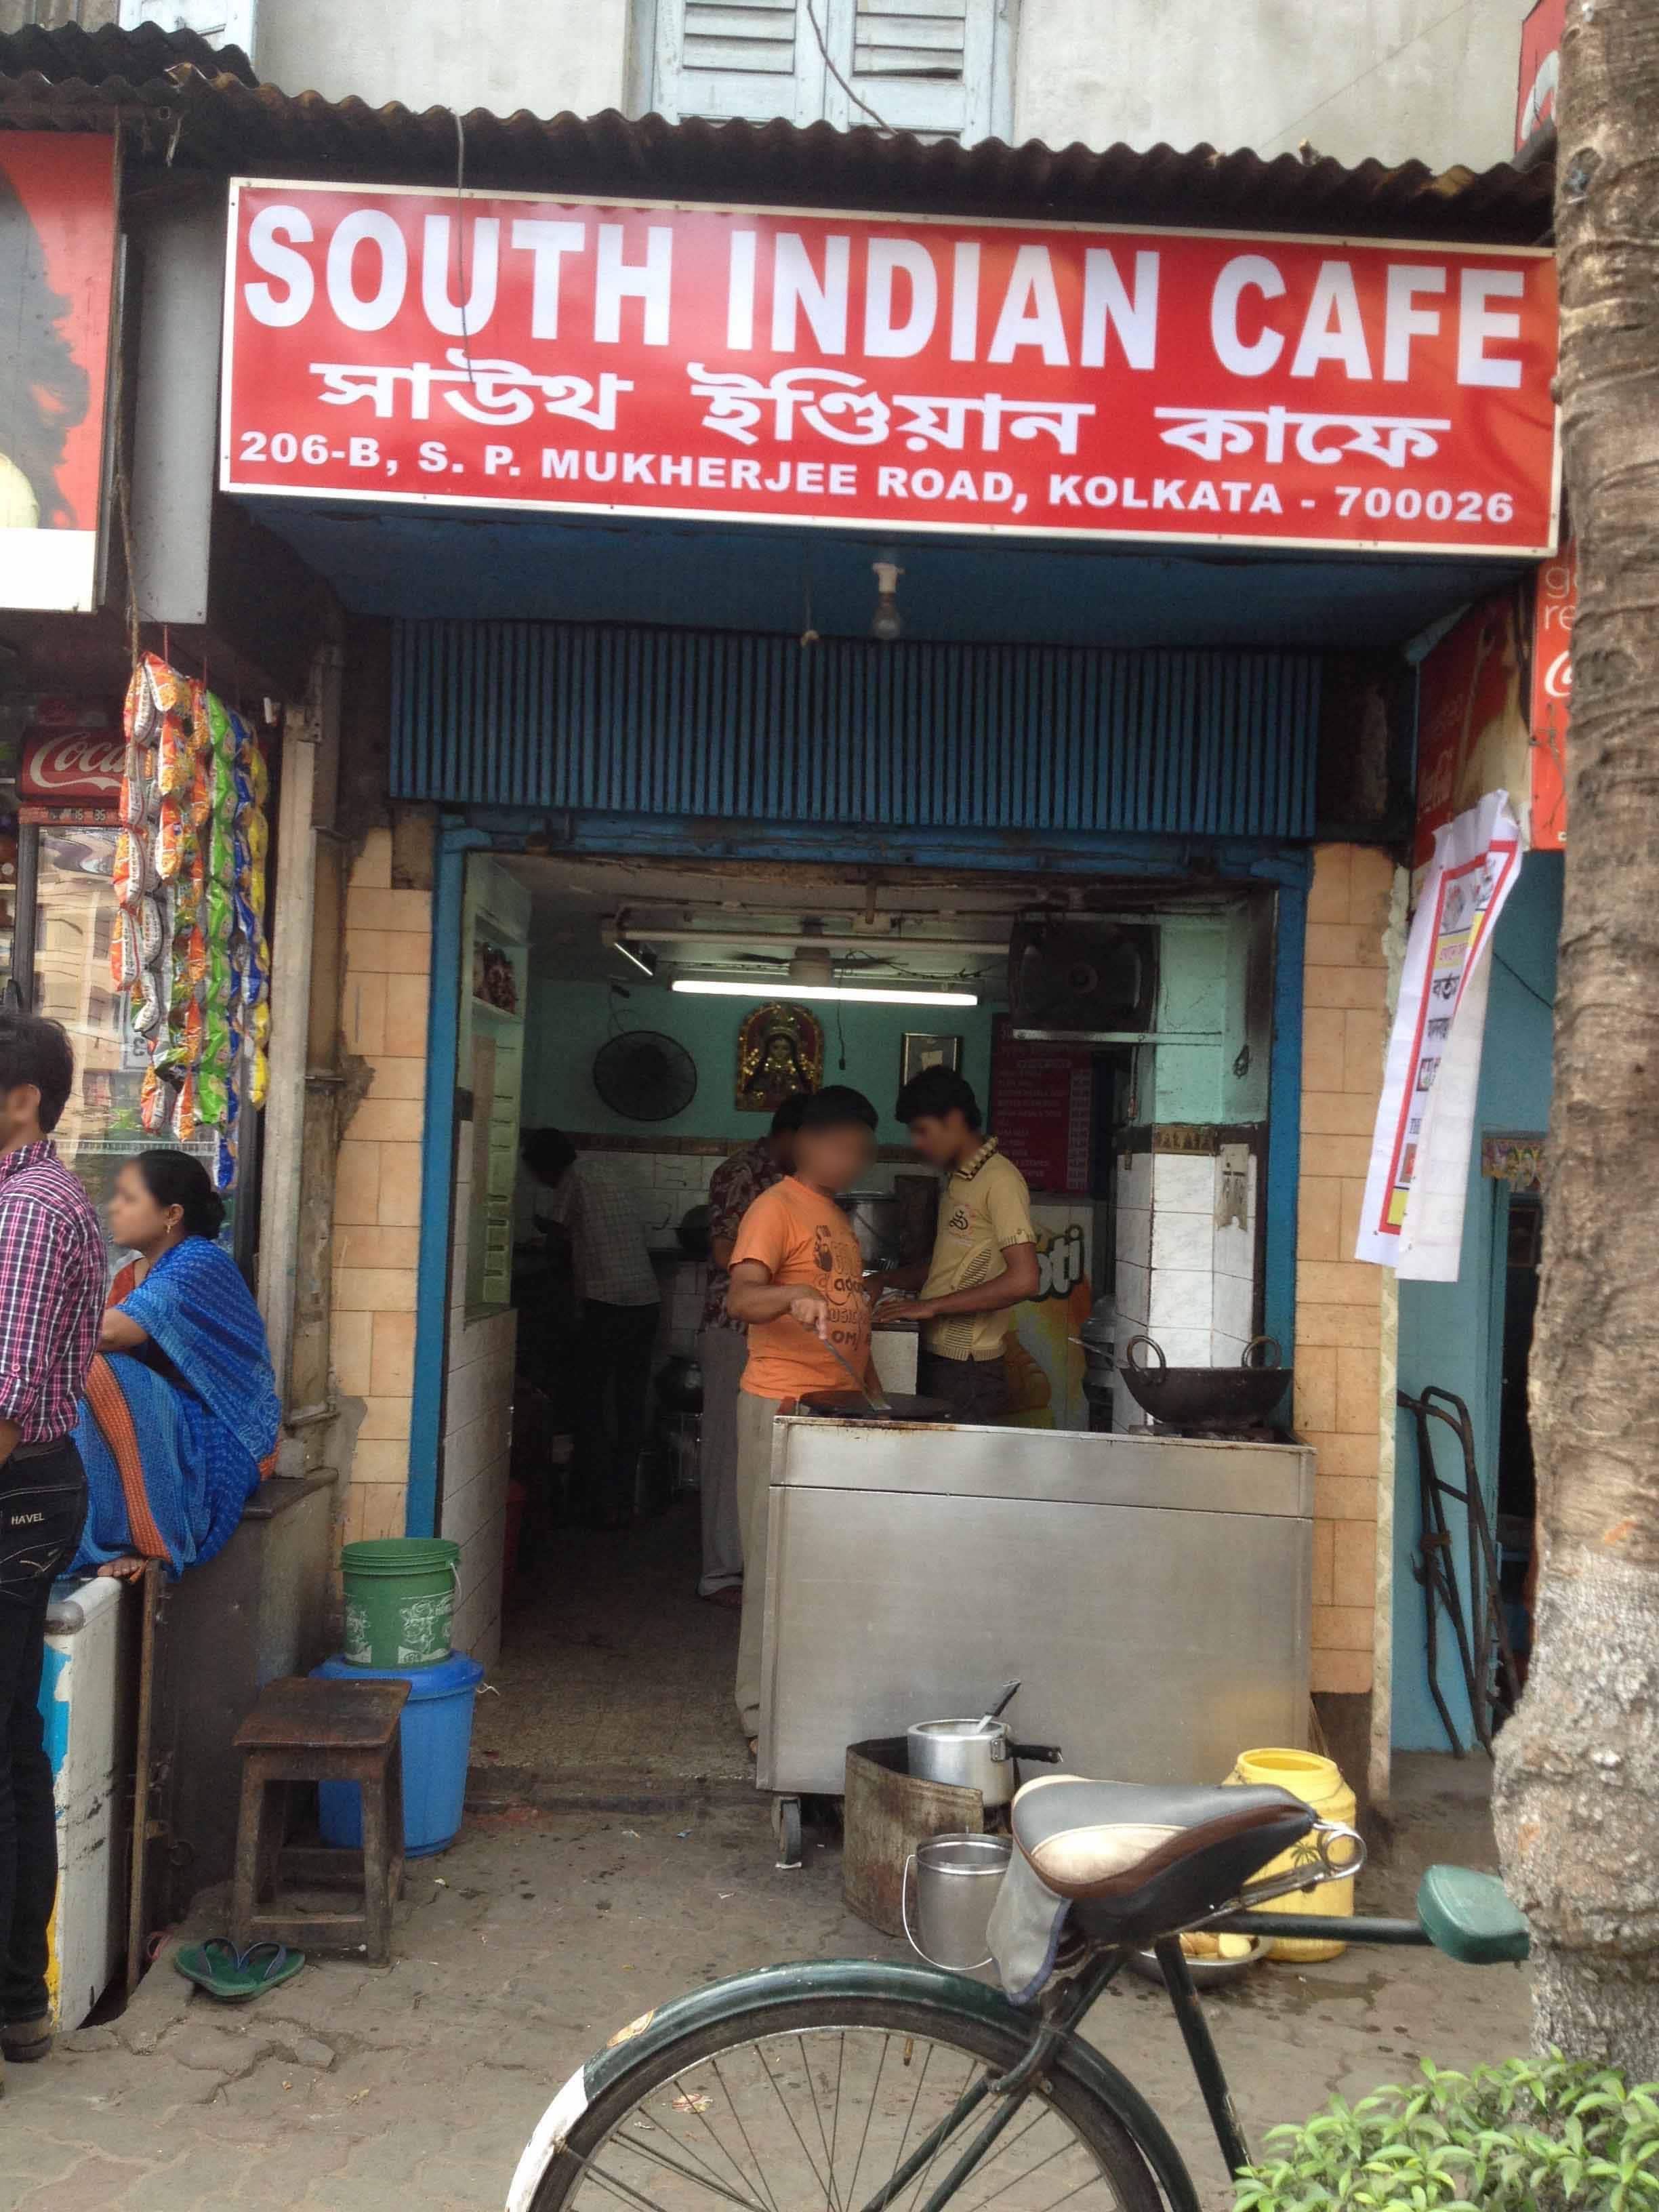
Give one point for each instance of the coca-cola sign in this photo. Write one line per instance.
(1555, 604)
(1540, 69)
(71, 768)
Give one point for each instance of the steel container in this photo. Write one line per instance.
(956, 1879)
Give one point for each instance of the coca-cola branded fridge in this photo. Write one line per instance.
(69, 787)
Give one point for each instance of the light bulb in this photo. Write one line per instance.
(887, 622)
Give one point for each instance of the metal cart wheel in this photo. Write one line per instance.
(785, 1827)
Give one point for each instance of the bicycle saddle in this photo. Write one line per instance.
(1136, 1853)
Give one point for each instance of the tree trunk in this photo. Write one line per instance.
(1578, 1768)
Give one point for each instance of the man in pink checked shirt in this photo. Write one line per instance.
(52, 1294)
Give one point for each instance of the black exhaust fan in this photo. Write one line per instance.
(645, 1076)
(1082, 981)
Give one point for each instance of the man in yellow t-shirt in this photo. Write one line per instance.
(797, 1284)
(984, 1257)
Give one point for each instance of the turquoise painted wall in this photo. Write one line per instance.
(1200, 991)
(568, 1023)
(1448, 1332)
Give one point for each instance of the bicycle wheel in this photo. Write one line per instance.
(821, 2101)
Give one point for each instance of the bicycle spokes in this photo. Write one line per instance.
(840, 2119)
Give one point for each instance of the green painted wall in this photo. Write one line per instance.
(568, 1023)
(1201, 990)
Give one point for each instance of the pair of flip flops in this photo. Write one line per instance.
(234, 1976)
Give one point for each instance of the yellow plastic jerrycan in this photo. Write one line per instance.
(1319, 1783)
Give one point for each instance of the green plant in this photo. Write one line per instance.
(1529, 2136)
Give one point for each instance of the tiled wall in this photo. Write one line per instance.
(378, 1183)
(684, 1285)
(665, 1182)
(377, 1256)
(1344, 1382)
(663, 1185)
(1181, 1279)
(1193, 1286)
(478, 1442)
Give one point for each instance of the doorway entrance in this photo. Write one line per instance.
(646, 1018)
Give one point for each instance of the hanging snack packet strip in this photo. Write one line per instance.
(217, 919)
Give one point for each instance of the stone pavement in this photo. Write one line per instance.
(413, 2088)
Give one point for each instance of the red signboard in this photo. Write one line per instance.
(1043, 1104)
(1555, 602)
(57, 278)
(1493, 710)
(1470, 732)
(1540, 69)
(501, 350)
(71, 764)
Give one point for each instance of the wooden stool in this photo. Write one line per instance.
(321, 1731)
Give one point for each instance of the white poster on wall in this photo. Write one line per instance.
(1412, 1219)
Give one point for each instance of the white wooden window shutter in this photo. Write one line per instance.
(725, 58)
(922, 65)
(939, 67)
(226, 22)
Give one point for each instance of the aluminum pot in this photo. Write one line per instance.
(974, 1754)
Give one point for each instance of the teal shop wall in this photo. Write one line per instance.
(1201, 992)
(568, 1023)
(1449, 1333)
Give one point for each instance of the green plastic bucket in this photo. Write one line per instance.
(399, 1599)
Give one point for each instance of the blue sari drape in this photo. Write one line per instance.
(200, 1446)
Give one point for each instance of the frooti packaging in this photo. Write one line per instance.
(1045, 1368)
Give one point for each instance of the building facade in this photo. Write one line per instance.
(499, 721)
(1358, 82)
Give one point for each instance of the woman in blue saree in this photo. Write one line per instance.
(180, 1417)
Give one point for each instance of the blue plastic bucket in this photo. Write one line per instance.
(437, 1737)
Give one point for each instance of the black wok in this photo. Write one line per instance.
(1199, 1397)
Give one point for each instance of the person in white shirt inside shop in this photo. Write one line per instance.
(586, 1210)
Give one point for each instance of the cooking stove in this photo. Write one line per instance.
(1222, 1432)
(1103, 1422)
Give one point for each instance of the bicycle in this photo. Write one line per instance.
(785, 2089)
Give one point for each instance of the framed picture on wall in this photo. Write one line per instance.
(918, 1053)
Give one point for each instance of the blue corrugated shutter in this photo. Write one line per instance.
(553, 715)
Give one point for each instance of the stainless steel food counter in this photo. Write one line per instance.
(1152, 1593)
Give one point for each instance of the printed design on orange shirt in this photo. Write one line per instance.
(848, 1308)
(803, 1239)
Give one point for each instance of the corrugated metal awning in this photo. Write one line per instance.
(590, 718)
(207, 110)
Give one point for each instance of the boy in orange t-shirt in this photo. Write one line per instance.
(797, 1281)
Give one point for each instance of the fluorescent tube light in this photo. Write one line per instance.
(758, 987)
(641, 956)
